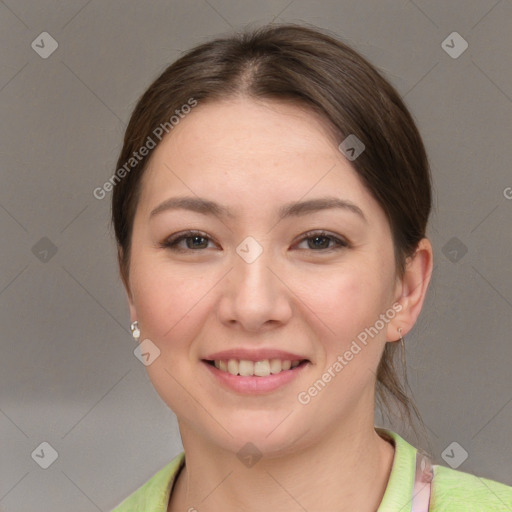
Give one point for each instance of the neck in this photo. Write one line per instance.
(345, 470)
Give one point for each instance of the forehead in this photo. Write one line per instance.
(249, 153)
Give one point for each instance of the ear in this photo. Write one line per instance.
(411, 290)
(123, 272)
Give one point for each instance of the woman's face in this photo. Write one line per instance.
(271, 280)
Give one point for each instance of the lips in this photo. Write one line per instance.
(262, 368)
(261, 362)
(255, 371)
(254, 355)
(255, 382)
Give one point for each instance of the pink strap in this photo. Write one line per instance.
(422, 483)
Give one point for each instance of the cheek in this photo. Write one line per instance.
(166, 299)
(350, 304)
(347, 301)
(171, 307)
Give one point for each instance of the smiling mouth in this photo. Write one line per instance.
(263, 368)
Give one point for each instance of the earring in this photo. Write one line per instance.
(134, 327)
(402, 345)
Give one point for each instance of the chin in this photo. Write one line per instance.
(267, 439)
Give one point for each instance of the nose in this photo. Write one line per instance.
(254, 295)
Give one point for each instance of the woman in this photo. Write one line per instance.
(270, 208)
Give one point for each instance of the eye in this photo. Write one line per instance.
(320, 241)
(194, 240)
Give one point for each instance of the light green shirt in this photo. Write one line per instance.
(452, 491)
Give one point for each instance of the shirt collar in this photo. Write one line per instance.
(398, 495)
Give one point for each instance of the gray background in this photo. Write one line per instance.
(68, 375)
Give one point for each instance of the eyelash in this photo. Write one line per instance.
(172, 242)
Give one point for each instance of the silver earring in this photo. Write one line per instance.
(134, 327)
(402, 343)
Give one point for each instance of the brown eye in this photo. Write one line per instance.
(194, 240)
(323, 242)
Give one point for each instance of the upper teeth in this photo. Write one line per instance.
(261, 368)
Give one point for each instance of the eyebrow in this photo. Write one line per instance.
(296, 209)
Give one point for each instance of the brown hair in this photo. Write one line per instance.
(315, 70)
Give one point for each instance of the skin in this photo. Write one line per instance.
(253, 156)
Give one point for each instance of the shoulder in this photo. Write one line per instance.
(454, 490)
(153, 496)
(451, 490)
